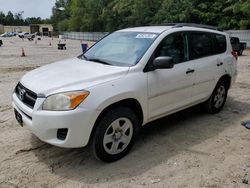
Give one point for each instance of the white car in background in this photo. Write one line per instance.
(126, 80)
(27, 35)
(8, 34)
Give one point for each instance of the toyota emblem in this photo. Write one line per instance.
(21, 94)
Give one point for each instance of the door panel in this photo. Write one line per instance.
(206, 50)
(204, 77)
(169, 89)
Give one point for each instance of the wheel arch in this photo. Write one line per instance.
(129, 102)
(227, 78)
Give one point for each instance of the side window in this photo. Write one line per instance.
(174, 45)
(200, 45)
(220, 43)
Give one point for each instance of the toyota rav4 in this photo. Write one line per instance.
(129, 78)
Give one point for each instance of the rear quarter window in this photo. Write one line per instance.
(220, 43)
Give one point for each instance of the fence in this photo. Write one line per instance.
(243, 35)
(87, 36)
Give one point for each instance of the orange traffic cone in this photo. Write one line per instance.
(23, 54)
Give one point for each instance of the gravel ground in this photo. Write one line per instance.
(187, 149)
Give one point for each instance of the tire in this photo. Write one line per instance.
(115, 134)
(218, 98)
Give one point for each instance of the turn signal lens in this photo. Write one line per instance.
(76, 99)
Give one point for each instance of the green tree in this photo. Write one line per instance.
(241, 12)
(34, 20)
(110, 15)
(60, 12)
(10, 18)
(2, 18)
(87, 15)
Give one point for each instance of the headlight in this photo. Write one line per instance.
(64, 101)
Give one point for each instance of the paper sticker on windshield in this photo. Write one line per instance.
(145, 36)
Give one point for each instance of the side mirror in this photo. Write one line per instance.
(163, 62)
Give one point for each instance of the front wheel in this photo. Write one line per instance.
(218, 98)
(115, 134)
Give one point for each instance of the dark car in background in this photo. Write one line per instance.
(238, 46)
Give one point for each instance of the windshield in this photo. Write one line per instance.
(121, 48)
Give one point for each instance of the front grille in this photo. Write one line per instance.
(62, 133)
(25, 95)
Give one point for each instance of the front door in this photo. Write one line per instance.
(170, 89)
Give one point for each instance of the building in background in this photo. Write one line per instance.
(42, 29)
(8, 28)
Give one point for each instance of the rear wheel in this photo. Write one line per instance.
(218, 98)
(115, 134)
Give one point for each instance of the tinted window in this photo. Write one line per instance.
(173, 46)
(200, 45)
(220, 43)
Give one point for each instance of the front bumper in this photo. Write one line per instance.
(45, 124)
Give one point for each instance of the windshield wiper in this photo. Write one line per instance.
(99, 61)
(82, 56)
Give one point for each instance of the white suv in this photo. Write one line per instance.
(127, 79)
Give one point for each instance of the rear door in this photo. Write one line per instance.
(208, 63)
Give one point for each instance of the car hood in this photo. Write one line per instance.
(69, 75)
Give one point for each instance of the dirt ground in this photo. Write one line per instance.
(187, 149)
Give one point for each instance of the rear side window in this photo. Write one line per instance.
(220, 43)
(200, 45)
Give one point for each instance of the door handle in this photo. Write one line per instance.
(219, 64)
(189, 71)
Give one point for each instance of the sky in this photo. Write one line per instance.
(31, 8)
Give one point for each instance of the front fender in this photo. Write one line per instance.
(106, 94)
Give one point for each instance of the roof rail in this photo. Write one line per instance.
(196, 25)
(190, 25)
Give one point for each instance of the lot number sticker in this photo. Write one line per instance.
(145, 36)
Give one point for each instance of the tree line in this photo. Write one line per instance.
(109, 15)
(18, 20)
